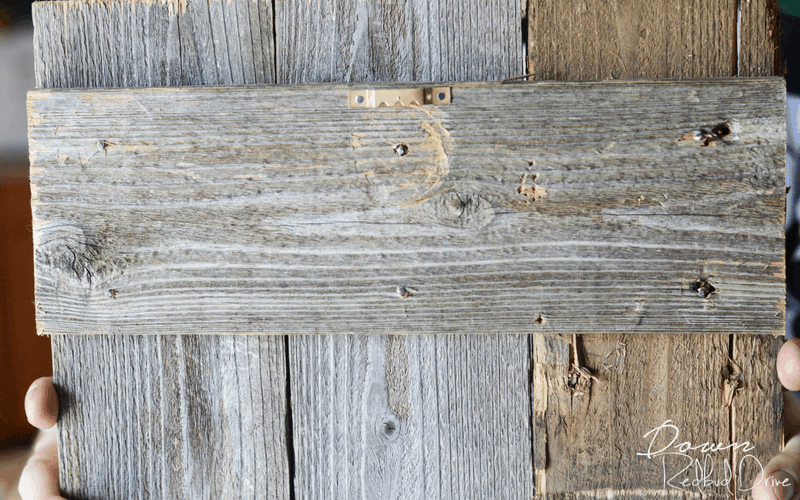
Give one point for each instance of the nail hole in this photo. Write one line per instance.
(728, 131)
(703, 288)
(360, 99)
(405, 291)
(401, 149)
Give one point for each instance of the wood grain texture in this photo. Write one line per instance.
(289, 216)
(594, 426)
(435, 41)
(624, 39)
(618, 39)
(404, 40)
(153, 416)
(759, 38)
(131, 43)
(91, 348)
(416, 416)
(757, 401)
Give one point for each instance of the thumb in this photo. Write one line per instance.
(779, 479)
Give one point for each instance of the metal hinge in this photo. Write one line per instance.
(399, 97)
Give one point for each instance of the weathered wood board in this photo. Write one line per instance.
(131, 414)
(621, 39)
(398, 40)
(284, 210)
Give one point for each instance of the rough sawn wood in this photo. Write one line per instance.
(274, 210)
(155, 31)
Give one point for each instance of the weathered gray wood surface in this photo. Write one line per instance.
(282, 210)
(151, 416)
(416, 416)
(155, 416)
(98, 65)
(153, 44)
(401, 40)
(445, 460)
(452, 467)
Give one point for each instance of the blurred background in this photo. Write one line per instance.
(25, 357)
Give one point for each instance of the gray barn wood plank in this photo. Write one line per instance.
(153, 416)
(213, 3)
(152, 44)
(403, 40)
(579, 40)
(172, 416)
(431, 47)
(416, 416)
(278, 221)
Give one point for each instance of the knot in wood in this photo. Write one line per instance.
(71, 250)
(389, 429)
(463, 210)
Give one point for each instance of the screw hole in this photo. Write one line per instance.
(703, 288)
(360, 99)
(441, 96)
(401, 149)
(723, 130)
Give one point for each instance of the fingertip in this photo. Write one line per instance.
(39, 480)
(788, 364)
(41, 403)
(779, 478)
(760, 491)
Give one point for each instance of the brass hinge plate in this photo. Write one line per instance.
(399, 97)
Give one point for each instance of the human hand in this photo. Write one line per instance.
(39, 480)
(783, 471)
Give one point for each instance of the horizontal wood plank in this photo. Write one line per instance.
(566, 208)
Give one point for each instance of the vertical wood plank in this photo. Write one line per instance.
(172, 416)
(143, 44)
(757, 403)
(416, 416)
(759, 38)
(619, 39)
(583, 39)
(153, 416)
(593, 426)
(405, 40)
(407, 416)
